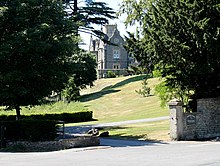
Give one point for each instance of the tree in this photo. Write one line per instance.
(83, 63)
(83, 67)
(92, 13)
(181, 39)
(39, 50)
(36, 39)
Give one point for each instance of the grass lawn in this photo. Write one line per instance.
(55, 108)
(115, 99)
(112, 100)
(155, 131)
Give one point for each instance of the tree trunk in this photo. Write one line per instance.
(18, 113)
(75, 6)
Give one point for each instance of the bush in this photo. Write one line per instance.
(30, 130)
(166, 93)
(157, 73)
(71, 91)
(145, 91)
(136, 70)
(111, 74)
(66, 117)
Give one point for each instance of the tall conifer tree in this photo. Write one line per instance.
(181, 38)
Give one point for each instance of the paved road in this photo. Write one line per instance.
(141, 154)
(85, 128)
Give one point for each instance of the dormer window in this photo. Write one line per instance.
(116, 54)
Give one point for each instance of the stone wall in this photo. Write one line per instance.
(45, 146)
(203, 124)
(189, 126)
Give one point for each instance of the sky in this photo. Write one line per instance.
(115, 4)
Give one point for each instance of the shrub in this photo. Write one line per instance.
(166, 93)
(30, 130)
(145, 91)
(66, 117)
(111, 74)
(156, 73)
(133, 69)
(71, 91)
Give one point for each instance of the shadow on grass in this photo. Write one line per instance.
(96, 95)
(127, 81)
(119, 140)
(110, 89)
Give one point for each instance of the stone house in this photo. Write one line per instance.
(110, 57)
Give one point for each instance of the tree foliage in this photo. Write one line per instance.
(145, 90)
(35, 40)
(83, 67)
(84, 63)
(181, 39)
(39, 52)
(85, 16)
(92, 13)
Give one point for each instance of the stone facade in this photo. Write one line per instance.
(203, 124)
(110, 57)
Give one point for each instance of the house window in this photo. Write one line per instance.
(116, 54)
(116, 66)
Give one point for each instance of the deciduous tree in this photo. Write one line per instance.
(36, 39)
(39, 50)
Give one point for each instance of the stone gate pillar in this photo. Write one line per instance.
(176, 119)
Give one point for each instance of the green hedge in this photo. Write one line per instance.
(111, 74)
(30, 130)
(66, 117)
